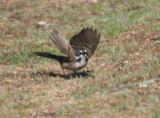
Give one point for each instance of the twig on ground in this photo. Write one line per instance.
(141, 84)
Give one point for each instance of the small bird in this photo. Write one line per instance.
(81, 47)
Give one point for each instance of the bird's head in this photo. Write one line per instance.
(81, 54)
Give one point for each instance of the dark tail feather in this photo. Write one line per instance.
(48, 55)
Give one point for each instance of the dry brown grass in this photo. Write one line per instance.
(128, 53)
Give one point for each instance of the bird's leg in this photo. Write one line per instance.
(83, 71)
(63, 72)
(75, 72)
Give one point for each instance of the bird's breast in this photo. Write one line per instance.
(75, 65)
(80, 64)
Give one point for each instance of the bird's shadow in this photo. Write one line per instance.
(84, 74)
(72, 75)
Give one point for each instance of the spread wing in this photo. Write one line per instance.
(62, 44)
(88, 39)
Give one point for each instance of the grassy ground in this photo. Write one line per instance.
(128, 53)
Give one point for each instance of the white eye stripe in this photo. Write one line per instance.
(80, 51)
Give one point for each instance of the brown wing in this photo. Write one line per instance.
(88, 39)
(62, 44)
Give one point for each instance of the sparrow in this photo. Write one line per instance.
(81, 47)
